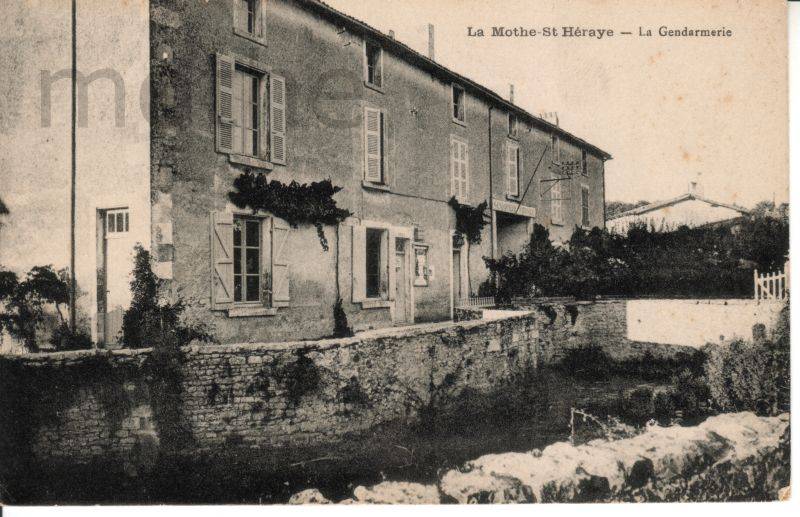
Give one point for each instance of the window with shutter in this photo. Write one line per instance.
(556, 205)
(459, 169)
(224, 120)
(374, 64)
(584, 205)
(277, 119)
(512, 168)
(280, 262)
(222, 260)
(458, 104)
(374, 159)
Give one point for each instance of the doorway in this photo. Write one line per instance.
(403, 301)
(113, 279)
(458, 295)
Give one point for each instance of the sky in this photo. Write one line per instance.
(669, 110)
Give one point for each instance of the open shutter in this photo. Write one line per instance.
(464, 172)
(222, 260)
(359, 261)
(511, 169)
(225, 122)
(372, 145)
(391, 260)
(277, 119)
(280, 262)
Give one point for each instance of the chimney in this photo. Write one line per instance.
(391, 34)
(431, 54)
(511, 93)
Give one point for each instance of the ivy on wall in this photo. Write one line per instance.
(307, 203)
(469, 219)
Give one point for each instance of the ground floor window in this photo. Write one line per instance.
(374, 262)
(246, 259)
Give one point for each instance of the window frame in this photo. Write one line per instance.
(556, 144)
(584, 163)
(457, 140)
(117, 213)
(585, 222)
(454, 107)
(512, 144)
(557, 202)
(513, 125)
(262, 142)
(382, 234)
(367, 82)
(244, 246)
(258, 34)
(383, 181)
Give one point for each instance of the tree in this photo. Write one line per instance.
(614, 208)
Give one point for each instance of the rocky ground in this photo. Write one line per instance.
(729, 457)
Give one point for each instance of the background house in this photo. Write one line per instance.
(691, 209)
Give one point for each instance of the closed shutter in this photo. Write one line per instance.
(280, 262)
(512, 169)
(277, 119)
(359, 262)
(453, 168)
(391, 258)
(372, 145)
(224, 115)
(222, 260)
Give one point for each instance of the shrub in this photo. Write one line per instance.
(588, 362)
(24, 305)
(341, 328)
(149, 322)
(638, 406)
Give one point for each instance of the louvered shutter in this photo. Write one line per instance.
(372, 145)
(511, 169)
(280, 262)
(464, 171)
(453, 168)
(359, 262)
(222, 260)
(225, 122)
(277, 119)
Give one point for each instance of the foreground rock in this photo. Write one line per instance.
(731, 457)
(736, 456)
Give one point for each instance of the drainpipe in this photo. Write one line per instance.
(491, 190)
(73, 173)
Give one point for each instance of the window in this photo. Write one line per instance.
(248, 17)
(421, 269)
(584, 205)
(556, 206)
(117, 221)
(459, 169)
(374, 145)
(246, 259)
(584, 164)
(458, 104)
(374, 262)
(246, 112)
(249, 129)
(512, 169)
(374, 58)
(556, 149)
(512, 125)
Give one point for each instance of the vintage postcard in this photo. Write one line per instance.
(393, 252)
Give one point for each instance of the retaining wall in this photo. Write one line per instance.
(75, 406)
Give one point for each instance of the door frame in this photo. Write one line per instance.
(408, 281)
(101, 276)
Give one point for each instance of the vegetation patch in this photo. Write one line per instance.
(299, 377)
(296, 203)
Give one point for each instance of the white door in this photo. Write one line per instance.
(117, 268)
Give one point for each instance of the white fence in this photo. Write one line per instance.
(484, 301)
(771, 286)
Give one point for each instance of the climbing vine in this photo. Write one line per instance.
(307, 203)
(469, 219)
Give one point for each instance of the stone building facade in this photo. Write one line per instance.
(299, 91)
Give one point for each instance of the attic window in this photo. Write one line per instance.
(458, 104)
(374, 62)
(512, 125)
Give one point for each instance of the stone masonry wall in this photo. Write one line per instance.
(87, 404)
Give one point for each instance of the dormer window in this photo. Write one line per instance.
(374, 65)
(512, 125)
(458, 104)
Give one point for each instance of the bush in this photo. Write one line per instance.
(705, 261)
(638, 406)
(149, 322)
(588, 362)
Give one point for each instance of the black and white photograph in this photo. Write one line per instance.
(394, 252)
